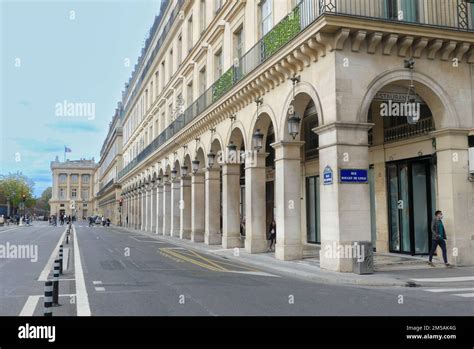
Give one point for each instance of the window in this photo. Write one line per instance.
(62, 178)
(266, 16)
(170, 113)
(74, 193)
(218, 5)
(189, 93)
(162, 75)
(238, 43)
(202, 80)
(85, 194)
(146, 99)
(170, 70)
(202, 15)
(61, 194)
(218, 64)
(74, 178)
(156, 84)
(180, 48)
(85, 178)
(471, 15)
(190, 33)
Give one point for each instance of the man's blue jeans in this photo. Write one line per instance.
(441, 244)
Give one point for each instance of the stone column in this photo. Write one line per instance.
(255, 204)
(147, 213)
(345, 209)
(455, 194)
(175, 211)
(185, 208)
(212, 234)
(197, 207)
(68, 194)
(230, 206)
(159, 209)
(167, 208)
(142, 207)
(288, 200)
(153, 212)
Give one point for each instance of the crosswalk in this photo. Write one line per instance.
(467, 291)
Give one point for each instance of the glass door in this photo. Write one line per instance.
(313, 226)
(410, 203)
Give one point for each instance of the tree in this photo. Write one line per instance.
(42, 203)
(17, 188)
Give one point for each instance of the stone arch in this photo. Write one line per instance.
(232, 134)
(267, 110)
(438, 100)
(304, 92)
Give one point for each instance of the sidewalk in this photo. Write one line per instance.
(307, 269)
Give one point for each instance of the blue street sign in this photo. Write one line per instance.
(353, 176)
(327, 176)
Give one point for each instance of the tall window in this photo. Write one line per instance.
(218, 65)
(163, 64)
(62, 178)
(170, 70)
(218, 5)
(74, 193)
(74, 178)
(202, 80)
(189, 93)
(85, 194)
(179, 48)
(85, 178)
(170, 113)
(61, 194)
(190, 33)
(266, 16)
(202, 15)
(238, 43)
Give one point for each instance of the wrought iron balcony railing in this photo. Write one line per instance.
(452, 14)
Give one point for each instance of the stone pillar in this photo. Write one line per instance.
(288, 200)
(230, 206)
(345, 209)
(197, 207)
(147, 213)
(142, 208)
(255, 204)
(159, 209)
(212, 234)
(166, 208)
(132, 209)
(455, 194)
(153, 212)
(185, 208)
(175, 211)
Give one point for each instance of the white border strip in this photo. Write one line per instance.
(82, 300)
(30, 306)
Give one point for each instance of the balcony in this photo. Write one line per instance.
(448, 14)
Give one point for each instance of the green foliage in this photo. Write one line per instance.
(14, 186)
(223, 84)
(283, 32)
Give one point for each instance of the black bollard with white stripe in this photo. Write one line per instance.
(56, 283)
(61, 259)
(48, 298)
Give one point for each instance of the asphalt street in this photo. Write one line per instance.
(116, 272)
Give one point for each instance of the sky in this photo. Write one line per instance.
(63, 66)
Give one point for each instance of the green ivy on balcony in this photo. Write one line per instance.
(223, 84)
(283, 32)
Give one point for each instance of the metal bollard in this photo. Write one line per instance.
(56, 283)
(61, 259)
(48, 298)
(67, 239)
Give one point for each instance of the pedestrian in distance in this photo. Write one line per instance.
(439, 237)
(271, 235)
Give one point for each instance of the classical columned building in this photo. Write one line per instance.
(342, 120)
(72, 189)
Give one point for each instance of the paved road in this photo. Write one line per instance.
(132, 274)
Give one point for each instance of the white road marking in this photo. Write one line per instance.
(100, 289)
(83, 308)
(449, 279)
(466, 295)
(49, 265)
(97, 282)
(436, 290)
(30, 306)
(258, 273)
(7, 230)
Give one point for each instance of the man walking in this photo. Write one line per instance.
(439, 237)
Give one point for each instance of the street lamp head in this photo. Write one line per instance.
(184, 171)
(195, 165)
(294, 125)
(210, 159)
(257, 140)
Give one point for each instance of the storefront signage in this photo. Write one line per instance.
(327, 176)
(353, 176)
